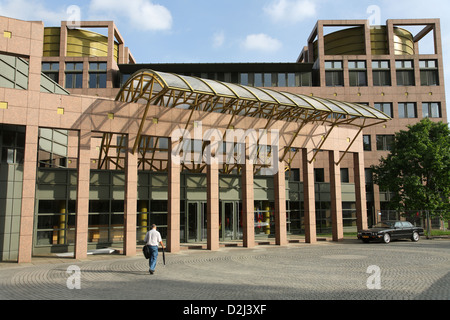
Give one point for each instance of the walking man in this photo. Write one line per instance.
(152, 239)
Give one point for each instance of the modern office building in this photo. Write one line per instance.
(95, 147)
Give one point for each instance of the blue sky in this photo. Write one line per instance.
(185, 31)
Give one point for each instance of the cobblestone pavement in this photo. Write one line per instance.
(323, 271)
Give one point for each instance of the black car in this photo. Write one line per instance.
(388, 230)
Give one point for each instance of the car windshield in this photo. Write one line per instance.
(384, 224)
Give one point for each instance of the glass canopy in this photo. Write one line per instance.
(149, 85)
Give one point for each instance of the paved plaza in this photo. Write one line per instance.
(348, 270)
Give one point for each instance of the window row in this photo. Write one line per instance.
(381, 71)
(74, 74)
(383, 142)
(409, 109)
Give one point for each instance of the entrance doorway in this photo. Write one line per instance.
(230, 220)
(196, 221)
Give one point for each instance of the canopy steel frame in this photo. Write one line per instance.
(170, 90)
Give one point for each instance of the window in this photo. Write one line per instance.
(97, 75)
(74, 75)
(367, 142)
(52, 147)
(384, 142)
(244, 79)
(334, 76)
(344, 175)
(405, 73)
(407, 110)
(51, 70)
(429, 73)
(431, 110)
(12, 144)
(357, 73)
(319, 175)
(298, 79)
(369, 179)
(381, 73)
(258, 80)
(267, 78)
(386, 108)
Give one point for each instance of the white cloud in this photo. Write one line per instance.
(290, 10)
(140, 14)
(32, 11)
(218, 39)
(261, 42)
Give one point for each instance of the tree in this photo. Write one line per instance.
(417, 171)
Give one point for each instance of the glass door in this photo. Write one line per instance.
(230, 220)
(196, 221)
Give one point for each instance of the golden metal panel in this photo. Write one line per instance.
(80, 43)
(351, 42)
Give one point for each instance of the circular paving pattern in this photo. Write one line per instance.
(326, 271)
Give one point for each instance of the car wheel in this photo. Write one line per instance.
(386, 238)
(415, 236)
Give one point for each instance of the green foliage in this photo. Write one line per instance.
(417, 170)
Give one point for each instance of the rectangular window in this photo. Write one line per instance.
(405, 73)
(243, 79)
(74, 75)
(51, 70)
(431, 110)
(319, 175)
(384, 142)
(386, 108)
(367, 142)
(97, 75)
(357, 73)
(267, 80)
(407, 110)
(258, 80)
(369, 179)
(344, 175)
(282, 80)
(291, 80)
(381, 73)
(429, 75)
(334, 75)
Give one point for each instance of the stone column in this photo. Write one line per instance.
(173, 205)
(248, 203)
(360, 190)
(28, 195)
(309, 198)
(82, 202)
(280, 206)
(336, 196)
(131, 176)
(213, 205)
